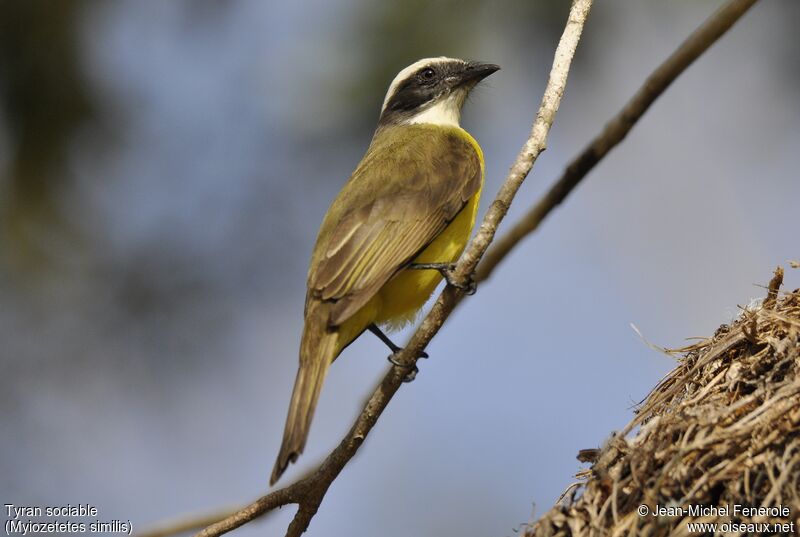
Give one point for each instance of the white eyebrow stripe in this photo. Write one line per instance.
(408, 71)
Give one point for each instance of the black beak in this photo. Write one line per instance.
(474, 72)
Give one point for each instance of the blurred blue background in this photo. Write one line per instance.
(164, 167)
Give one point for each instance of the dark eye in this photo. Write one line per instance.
(427, 74)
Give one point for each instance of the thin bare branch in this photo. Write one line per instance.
(615, 131)
(309, 492)
(285, 496)
(186, 523)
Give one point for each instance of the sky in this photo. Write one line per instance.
(149, 372)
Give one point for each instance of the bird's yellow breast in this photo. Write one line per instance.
(400, 299)
(403, 296)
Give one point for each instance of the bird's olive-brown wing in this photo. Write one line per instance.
(402, 195)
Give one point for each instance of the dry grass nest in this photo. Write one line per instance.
(719, 431)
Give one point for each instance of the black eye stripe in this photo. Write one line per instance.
(422, 86)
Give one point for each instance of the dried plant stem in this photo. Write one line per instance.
(721, 430)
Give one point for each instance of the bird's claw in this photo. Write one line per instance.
(469, 288)
(446, 270)
(412, 368)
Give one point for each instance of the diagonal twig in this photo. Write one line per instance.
(618, 128)
(309, 492)
(186, 523)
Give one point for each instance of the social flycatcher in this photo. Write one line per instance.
(410, 204)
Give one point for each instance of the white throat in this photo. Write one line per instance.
(446, 112)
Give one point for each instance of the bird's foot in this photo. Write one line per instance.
(412, 368)
(446, 270)
(389, 343)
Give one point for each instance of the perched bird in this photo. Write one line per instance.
(404, 216)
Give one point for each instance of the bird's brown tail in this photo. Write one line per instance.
(317, 351)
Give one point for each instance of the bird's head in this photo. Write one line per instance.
(432, 90)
